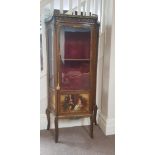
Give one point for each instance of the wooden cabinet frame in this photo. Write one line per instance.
(55, 94)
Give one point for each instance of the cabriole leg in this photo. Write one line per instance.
(91, 126)
(56, 129)
(48, 118)
(95, 113)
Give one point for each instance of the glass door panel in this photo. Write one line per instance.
(77, 45)
(75, 58)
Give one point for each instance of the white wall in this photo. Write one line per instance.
(106, 116)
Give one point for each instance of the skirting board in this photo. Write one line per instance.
(107, 125)
(63, 122)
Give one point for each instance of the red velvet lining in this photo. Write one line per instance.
(77, 45)
(75, 73)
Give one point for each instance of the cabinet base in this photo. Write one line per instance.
(92, 121)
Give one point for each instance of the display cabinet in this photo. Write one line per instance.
(72, 44)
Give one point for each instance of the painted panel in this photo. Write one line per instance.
(74, 103)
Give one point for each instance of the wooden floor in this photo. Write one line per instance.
(76, 141)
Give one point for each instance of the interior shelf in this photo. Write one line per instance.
(76, 59)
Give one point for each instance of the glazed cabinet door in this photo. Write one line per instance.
(75, 69)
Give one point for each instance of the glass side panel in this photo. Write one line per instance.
(75, 58)
(51, 58)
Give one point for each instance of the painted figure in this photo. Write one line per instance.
(79, 104)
